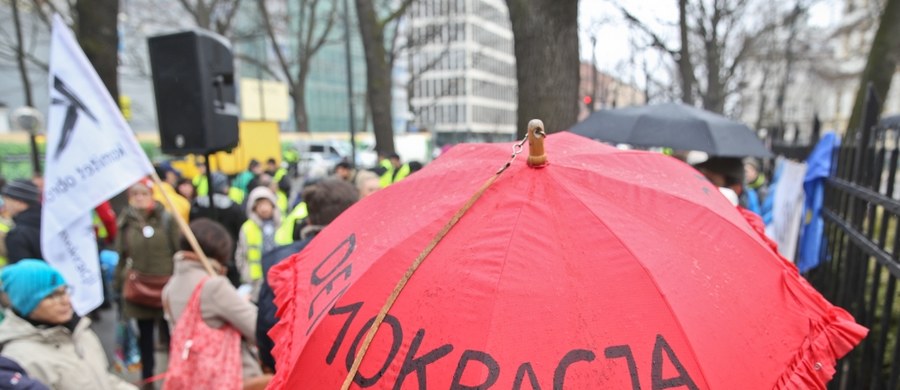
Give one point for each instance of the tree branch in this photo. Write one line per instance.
(323, 38)
(257, 62)
(657, 42)
(229, 18)
(397, 13)
(267, 24)
(191, 9)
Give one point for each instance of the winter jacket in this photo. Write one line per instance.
(219, 304)
(24, 240)
(58, 357)
(152, 256)
(256, 238)
(266, 303)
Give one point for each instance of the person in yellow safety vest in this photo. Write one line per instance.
(288, 232)
(257, 236)
(201, 184)
(274, 170)
(5, 225)
(282, 201)
(392, 170)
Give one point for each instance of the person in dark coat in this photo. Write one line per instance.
(23, 200)
(13, 376)
(225, 211)
(325, 200)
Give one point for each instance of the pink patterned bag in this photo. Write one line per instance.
(201, 357)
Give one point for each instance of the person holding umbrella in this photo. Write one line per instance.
(325, 201)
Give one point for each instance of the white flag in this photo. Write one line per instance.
(92, 155)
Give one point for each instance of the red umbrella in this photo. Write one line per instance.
(603, 269)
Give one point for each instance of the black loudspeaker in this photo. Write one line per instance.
(193, 78)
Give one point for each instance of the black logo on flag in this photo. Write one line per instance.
(73, 104)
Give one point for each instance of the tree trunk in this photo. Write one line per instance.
(20, 55)
(546, 49)
(685, 66)
(98, 36)
(299, 95)
(788, 67)
(763, 98)
(378, 76)
(881, 64)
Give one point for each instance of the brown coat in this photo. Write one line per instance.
(151, 255)
(219, 304)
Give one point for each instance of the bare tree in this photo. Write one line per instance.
(546, 48)
(443, 34)
(213, 15)
(315, 19)
(715, 39)
(19, 48)
(777, 59)
(97, 30)
(881, 63)
(372, 28)
(95, 23)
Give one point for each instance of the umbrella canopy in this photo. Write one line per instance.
(673, 125)
(890, 122)
(604, 269)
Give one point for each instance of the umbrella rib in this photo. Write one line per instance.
(646, 271)
(503, 269)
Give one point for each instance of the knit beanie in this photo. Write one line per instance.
(28, 282)
(23, 190)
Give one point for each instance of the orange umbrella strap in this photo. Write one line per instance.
(370, 335)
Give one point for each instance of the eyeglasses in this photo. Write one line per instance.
(58, 294)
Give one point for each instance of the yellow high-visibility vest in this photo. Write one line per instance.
(388, 176)
(236, 194)
(285, 233)
(282, 201)
(201, 184)
(254, 248)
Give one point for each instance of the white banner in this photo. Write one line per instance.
(787, 207)
(92, 155)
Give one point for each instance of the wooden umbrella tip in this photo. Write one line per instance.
(537, 158)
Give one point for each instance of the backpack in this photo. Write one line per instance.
(201, 357)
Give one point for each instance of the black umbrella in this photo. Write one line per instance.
(890, 122)
(673, 125)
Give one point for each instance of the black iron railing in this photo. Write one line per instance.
(860, 264)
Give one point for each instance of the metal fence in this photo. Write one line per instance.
(860, 264)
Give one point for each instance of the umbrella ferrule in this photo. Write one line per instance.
(537, 158)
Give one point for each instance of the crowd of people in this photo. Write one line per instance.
(168, 291)
(159, 284)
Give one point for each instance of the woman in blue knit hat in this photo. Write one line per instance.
(43, 334)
